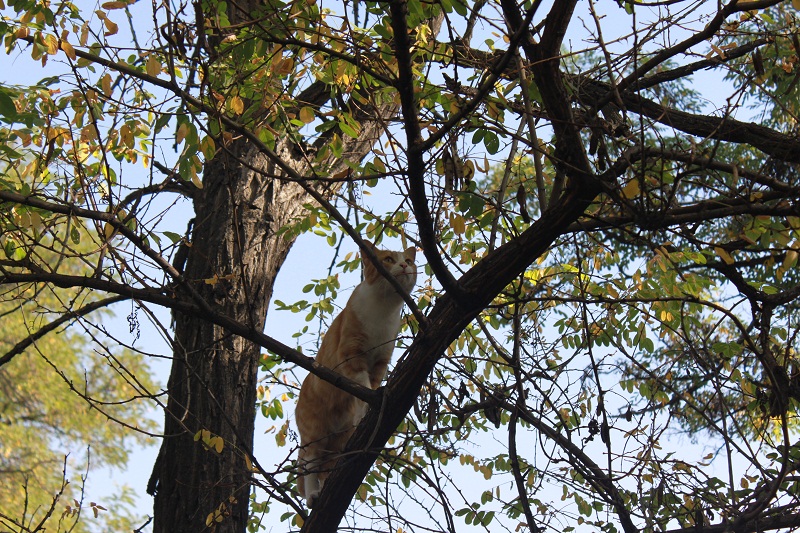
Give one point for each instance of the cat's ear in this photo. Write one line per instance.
(411, 252)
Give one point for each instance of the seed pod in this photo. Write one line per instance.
(758, 63)
(523, 203)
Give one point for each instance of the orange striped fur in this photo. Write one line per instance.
(358, 345)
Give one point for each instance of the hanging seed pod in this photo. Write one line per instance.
(758, 63)
(523, 203)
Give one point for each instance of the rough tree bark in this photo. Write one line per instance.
(213, 376)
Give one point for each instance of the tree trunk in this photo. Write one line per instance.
(234, 257)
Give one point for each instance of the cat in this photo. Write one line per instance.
(358, 345)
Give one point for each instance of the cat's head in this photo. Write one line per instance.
(401, 265)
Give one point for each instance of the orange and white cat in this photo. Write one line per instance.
(358, 345)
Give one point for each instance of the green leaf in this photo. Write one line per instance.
(7, 108)
(174, 237)
(348, 130)
(491, 141)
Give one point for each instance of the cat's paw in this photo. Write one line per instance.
(311, 499)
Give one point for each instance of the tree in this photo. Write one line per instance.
(623, 268)
(50, 436)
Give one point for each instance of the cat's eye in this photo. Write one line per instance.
(389, 259)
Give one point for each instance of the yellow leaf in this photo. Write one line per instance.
(105, 82)
(52, 44)
(153, 66)
(126, 135)
(724, 255)
(183, 130)
(69, 50)
(218, 444)
(36, 222)
(111, 27)
(492, 110)
(790, 260)
(458, 224)
(208, 147)
(307, 115)
(236, 105)
(468, 170)
(284, 66)
(631, 190)
(209, 519)
(280, 436)
(196, 181)
(22, 220)
(114, 5)
(108, 231)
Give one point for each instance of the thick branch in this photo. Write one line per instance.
(782, 521)
(189, 309)
(769, 141)
(447, 320)
(570, 156)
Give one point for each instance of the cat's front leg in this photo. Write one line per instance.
(313, 489)
(309, 482)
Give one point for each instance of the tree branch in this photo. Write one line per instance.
(290, 355)
(55, 324)
(416, 165)
(781, 521)
(447, 320)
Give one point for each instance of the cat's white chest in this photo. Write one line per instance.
(379, 315)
